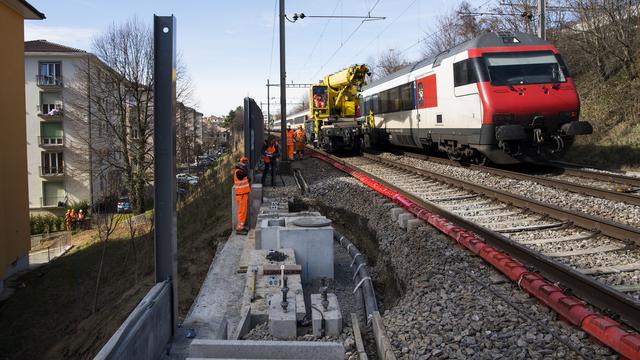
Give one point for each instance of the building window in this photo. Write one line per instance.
(51, 133)
(53, 193)
(52, 163)
(50, 73)
(134, 133)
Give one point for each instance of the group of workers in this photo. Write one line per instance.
(296, 141)
(72, 218)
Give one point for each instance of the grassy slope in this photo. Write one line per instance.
(613, 108)
(51, 316)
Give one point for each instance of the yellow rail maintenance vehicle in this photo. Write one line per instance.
(334, 108)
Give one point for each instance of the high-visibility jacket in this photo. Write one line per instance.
(269, 153)
(289, 137)
(300, 135)
(241, 186)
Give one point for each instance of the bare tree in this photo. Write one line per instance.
(106, 222)
(452, 28)
(117, 86)
(608, 30)
(389, 62)
(302, 106)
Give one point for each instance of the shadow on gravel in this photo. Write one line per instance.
(356, 228)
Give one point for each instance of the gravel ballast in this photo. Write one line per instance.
(441, 302)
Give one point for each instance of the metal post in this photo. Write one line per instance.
(283, 90)
(164, 143)
(542, 30)
(268, 108)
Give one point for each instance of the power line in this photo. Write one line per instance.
(345, 41)
(386, 28)
(273, 35)
(326, 24)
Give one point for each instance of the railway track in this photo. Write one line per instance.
(597, 259)
(608, 186)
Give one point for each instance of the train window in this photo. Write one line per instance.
(406, 94)
(531, 67)
(384, 101)
(395, 102)
(375, 104)
(463, 73)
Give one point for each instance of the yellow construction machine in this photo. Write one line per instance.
(334, 109)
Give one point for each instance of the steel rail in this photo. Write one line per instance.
(555, 183)
(606, 227)
(582, 285)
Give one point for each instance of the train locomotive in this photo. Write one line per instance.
(503, 97)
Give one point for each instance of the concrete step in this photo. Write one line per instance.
(249, 349)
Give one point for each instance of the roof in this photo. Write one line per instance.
(490, 39)
(24, 8)
(49, 47)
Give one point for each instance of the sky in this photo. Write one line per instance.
(231, 47)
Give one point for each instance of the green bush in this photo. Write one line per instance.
(46, 224)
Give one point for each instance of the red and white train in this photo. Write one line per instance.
(506, 97)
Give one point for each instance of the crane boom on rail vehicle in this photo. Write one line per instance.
(334, 109)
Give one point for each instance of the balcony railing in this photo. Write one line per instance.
(50, 111)
(47, 171)
(51, 201)
(51, 141)
(49, 81)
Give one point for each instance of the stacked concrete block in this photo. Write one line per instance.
(313, 246)
(282, 323)
(329, 319)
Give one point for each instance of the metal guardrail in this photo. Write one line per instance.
(57, 141)
(51, 170)
(49, 80)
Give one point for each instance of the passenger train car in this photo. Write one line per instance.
(293, 120)
(506, 97)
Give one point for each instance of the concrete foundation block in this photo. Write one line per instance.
(282, 325)
(395, 212)
(403, 218)
(414, 224)
(332, 316)
(313, 247)
(249, 349)
(255, 202)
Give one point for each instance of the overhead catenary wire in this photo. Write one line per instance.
(345, 41)
(386, 28)
(273, 36)
(324, 29)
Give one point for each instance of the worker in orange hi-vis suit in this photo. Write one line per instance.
(289, 142)
(242, 188)
(301, 139)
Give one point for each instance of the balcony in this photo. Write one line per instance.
(50, 111)
(51, 141)
(49, 81)
(52, 201)
(51, 171)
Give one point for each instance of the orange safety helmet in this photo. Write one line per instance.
(244, 160)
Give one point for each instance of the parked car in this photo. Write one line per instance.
(123, 205)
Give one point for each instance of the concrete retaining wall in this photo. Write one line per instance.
(247, 349)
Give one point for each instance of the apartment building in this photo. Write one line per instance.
(14, 215)
(57, 130)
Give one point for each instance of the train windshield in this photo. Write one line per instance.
(532, 67)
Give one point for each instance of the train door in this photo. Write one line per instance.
(426, 106)
(468, 105)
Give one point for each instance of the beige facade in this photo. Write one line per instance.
(57, 130)
(14, 215)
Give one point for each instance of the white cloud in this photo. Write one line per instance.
(79, 37)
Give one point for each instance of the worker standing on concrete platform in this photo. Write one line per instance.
(301, 140)
(270, 153)
(242, 189)
(289, 142)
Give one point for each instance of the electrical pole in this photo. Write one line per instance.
(268, 107)
(542, 31)
(283, 89)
